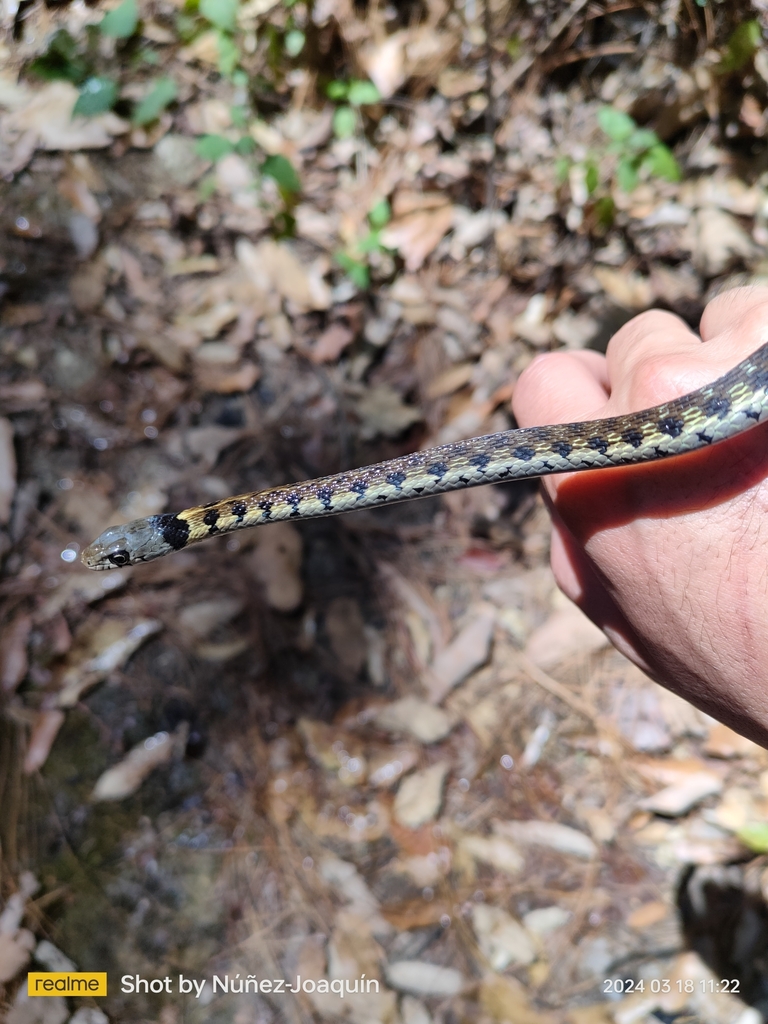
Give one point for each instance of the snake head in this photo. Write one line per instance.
(139, 541)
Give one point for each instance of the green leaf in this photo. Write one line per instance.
(229, 55)
(154, 103)
(239, 116)
(186, 27)
(641, 140)
(661, 162)
(371, 242)
(626, 175)
(562, 167)
(282, 171)
(591, 178)
(344, 122)
(754, 836)
(337, 90)
(221, 13)
(122, 21)
(61, 60)
(615, 123)
(605, 211)
(363, 93)
(380, 214)
(741, 46)
(96, 96)
(149, 56)
(356, 270)
(207, 187)
(213, 147)
(245, 145)
(294, 42)
(514, 47)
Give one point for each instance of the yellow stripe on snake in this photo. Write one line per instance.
(733, 404)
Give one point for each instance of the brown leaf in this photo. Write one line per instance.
(13, 651)
(276, 564)
(415, 913)
(416, 235)
(44, 731)
(7, 470)
(345, 627)
(331, 343)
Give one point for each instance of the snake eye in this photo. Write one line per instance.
(119, 558)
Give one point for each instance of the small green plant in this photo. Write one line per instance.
(637, 149)
(214, 147)
(222, 16)
(121, 22)
(351, 96)
(65, 59)
(62, 60)
(162, 93)
(294, 42)
(754, 836)
(97, 95)
(354, 261)
(276, 167)
(741, 47)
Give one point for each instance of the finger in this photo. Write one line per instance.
(561, 387)
(738, 312)
(655, 357)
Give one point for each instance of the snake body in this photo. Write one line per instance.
(729, 406)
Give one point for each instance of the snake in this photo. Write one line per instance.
(731, 405)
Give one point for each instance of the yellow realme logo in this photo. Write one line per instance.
(67, 983)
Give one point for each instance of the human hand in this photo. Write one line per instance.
(669, 559)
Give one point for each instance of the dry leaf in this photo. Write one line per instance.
(466, 652)
(13, 651)
(345, 626)
(45, 729)
(680, 798)
(416, 235)
(274, 266)
(420, 795)
(497, 851)
(276, 564)
(331, 343)
(550, 834)
(421, 978)
(502, 939)
(48, 113)
(383, 411)
(7, 470)
(384, 63)
(107, 649)
(124, 778)
(567, 633)
(420, 719)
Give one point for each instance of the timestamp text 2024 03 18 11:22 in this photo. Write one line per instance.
(625, 987)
